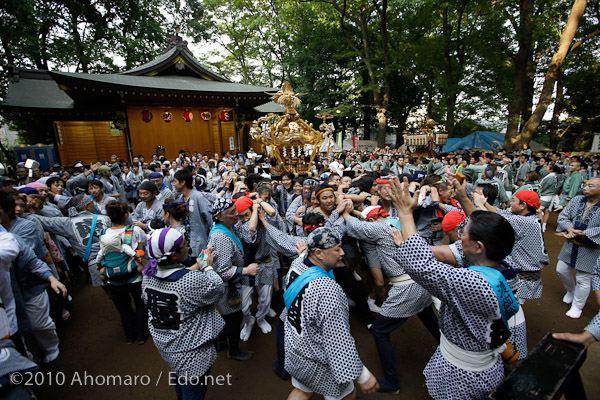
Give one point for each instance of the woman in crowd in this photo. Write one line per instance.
(120, 266)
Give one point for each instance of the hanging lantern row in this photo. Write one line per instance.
(167, 116)
(187, 116)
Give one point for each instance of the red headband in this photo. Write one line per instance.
(312, 227)
(243, 203)
(378, 212)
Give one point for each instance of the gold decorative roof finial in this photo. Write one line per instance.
(286, 96)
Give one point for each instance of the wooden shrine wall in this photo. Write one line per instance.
(89, 141)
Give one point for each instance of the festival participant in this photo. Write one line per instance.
(32, 276)
(476, 301)
(573, 183)
(529, 252)
(447, 201)
(298, 208)
(148, 208)
(384, 196)
(297, 202)
(9, 251)
(198, 218)
(579, 223)
(105, 176)
(163, 191)
(182, 319)
(76, 229)
(132, 180)
(284, 193)
(22, 174)
(429, 224)
(404, 300)
(25, 229)
(229, 264)
(591, 332)
(174, 215)
(49, 209)
(56, 185)
(117, 180)
(531, 183)
(331, 209)
(542, 166)
(548, 188)
(452, 222)
(99, 198)
(488, 177)
(524, 167)
(320, 353)
(257, 250)
(293, 247)
(334, 180)
(120, 265)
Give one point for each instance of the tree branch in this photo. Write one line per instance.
(587, 37)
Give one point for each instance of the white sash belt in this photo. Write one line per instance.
(401, 280)
(469, 360)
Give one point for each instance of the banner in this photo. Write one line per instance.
(355, 143)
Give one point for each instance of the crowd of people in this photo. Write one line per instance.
(184, 247)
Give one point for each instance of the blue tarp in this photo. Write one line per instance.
(476, 140)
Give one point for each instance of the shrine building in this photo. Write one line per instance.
(173, 101)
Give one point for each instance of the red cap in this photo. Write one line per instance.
(530, 197)
(243, 203)
(452, 220)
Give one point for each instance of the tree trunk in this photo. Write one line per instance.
(566, 38)
(10, 60)
(558, 108)
(387, 81)
(528, 90)
(377, 97)
(450, 84)
(520, 77)
(365, 101)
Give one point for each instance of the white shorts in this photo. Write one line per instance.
(305, 389)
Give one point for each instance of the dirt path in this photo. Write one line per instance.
(93, 346)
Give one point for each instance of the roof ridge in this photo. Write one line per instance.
(176, 53)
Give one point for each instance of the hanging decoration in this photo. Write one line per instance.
(187, 116)
(146, 116)
(160, 150)
(119, 120)
(205, 115)
(167, 116)
(226, 116)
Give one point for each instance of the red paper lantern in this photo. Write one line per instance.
(205, 115)
(226, 116)
(146, 116)
(167, 116)
(187, 116)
